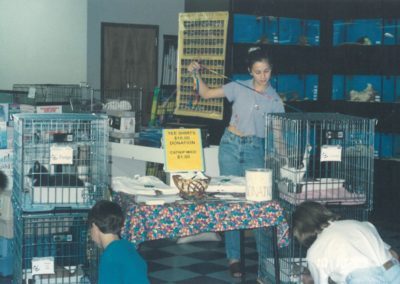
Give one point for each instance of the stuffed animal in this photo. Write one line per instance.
(366, 95)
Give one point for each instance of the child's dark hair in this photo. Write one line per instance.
(107, 216)
(256, 54)
(309, 219)
(3, 181)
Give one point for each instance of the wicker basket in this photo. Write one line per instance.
(191, 188)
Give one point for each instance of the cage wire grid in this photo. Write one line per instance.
(41, 182)
(60, 238)
(321, 156)
(80, 98)
(324, 157)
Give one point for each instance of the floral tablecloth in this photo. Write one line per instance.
(151, 222)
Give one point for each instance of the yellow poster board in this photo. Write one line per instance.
(203, 37)
(183, 150)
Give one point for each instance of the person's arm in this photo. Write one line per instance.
(204, 91)
(317, 274)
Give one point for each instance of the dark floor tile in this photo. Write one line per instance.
(253, 256)
(154, 266)
(209, 245)
(155, 254)
(173, 274)
(207, 255)
(252, 269)
(156, 281)
(204, 268)
(202, 280)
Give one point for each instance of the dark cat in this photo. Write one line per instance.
(41, 177)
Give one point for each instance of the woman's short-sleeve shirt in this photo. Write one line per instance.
(250, 107)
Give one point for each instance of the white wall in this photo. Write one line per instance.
(43, 41)
(59, 41)
(163, 13)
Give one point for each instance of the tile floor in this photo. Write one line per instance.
(204, 262)
(201, 262)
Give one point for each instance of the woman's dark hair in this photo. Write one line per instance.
(256, 55)
(309, 219)
(107, 216)
(3, 181)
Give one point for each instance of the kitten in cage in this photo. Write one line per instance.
(296, 174)
(40, 176)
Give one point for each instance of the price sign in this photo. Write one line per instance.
(331, 153)
(42, 265)
(183, 150)
(61, 155)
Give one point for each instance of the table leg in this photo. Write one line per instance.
(242, 252)
(276, 255)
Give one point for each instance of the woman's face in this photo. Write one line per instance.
(95, 234)
(261, 72)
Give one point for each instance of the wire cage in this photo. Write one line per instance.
(292, 261)
(47, 93)
(326, 157)
(60, 160)
(129, 99)
(54, 248)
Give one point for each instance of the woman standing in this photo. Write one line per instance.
(242, 144)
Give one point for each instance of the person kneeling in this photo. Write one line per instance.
(120, 263)
(344, 251)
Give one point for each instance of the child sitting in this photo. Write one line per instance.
(120, 263)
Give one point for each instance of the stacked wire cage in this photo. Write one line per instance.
(60, 170)
(323, 157)
(54, 247)
(71, 97)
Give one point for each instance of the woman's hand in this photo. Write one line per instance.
(193, 67)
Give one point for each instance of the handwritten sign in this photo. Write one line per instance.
(42, 265)
(183, 150)
(61, 155)
(331, 153)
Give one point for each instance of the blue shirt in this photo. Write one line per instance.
(249, 107)
(120, 263)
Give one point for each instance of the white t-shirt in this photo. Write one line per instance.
(343, 247)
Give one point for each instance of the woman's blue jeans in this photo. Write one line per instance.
(235, 155)
(376, 275)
